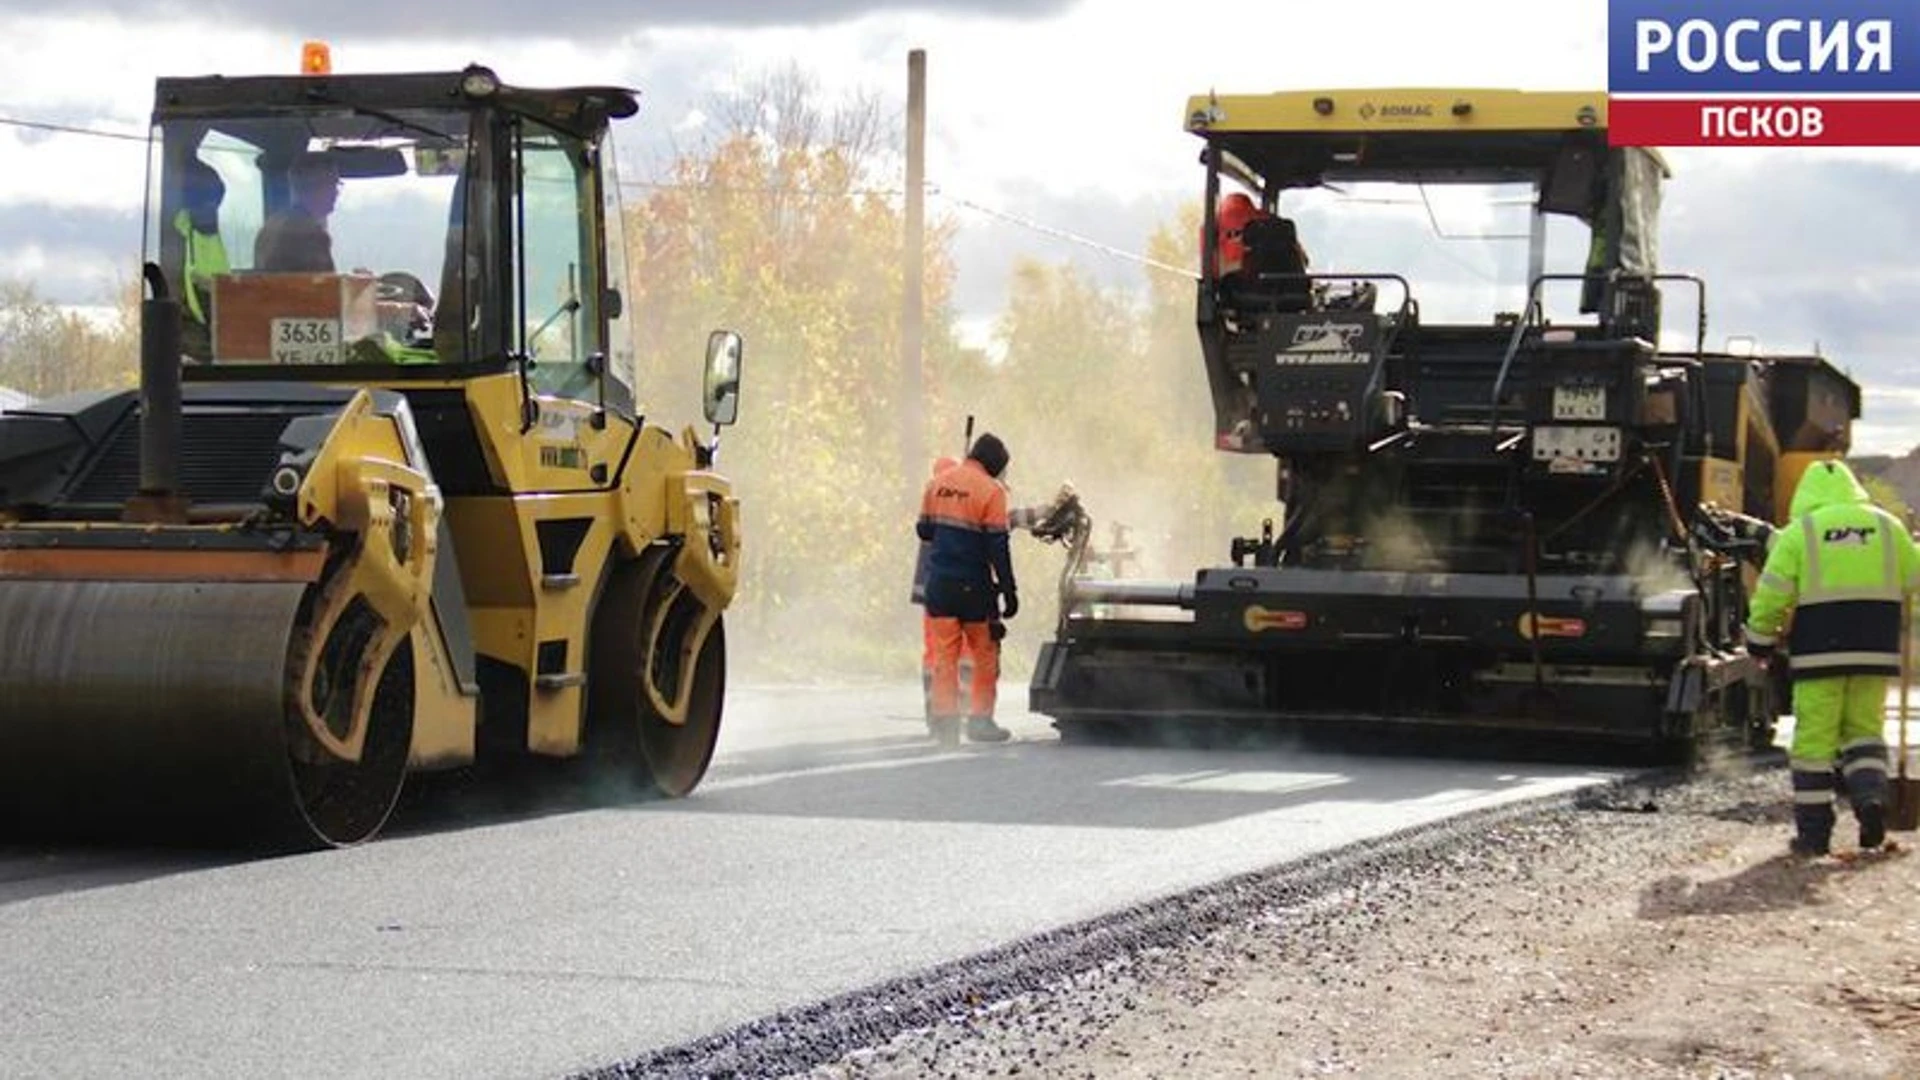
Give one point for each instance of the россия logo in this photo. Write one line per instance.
(1763, 72)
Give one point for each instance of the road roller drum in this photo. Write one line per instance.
(350, 528)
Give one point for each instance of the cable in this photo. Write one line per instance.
(1062, 234)
(69, 129)
(660, 185)
(934, 190)
(758, 189)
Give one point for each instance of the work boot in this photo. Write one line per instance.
(944, 729)
(1809, 847)
(983, 729)
(1813, 828)
(1873, 825)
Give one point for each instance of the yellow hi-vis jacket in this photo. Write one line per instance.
(1842, 566)
(206, 256)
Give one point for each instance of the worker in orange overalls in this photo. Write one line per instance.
(926, 621)
(969, 587)
(1019, 517)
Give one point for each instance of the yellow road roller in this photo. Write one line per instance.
(384, 501)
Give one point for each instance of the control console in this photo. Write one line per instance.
(1318, 380)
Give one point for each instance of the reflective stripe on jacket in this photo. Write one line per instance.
(963, 515)
(1841, 566)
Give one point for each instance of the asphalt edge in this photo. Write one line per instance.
(806, 1036)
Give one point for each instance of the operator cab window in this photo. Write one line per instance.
(358, 217)
(555, 305)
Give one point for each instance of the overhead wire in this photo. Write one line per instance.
(1063, 234)
(752, 189)
(69, 129)
(1017, 220)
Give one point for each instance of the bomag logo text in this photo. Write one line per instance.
(563, 457)
(1401, 111)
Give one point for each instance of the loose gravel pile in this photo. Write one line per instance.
(1645, 930)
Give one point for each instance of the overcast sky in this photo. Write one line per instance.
(1063, 113)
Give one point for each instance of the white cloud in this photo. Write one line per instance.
(67, 171)
(1073, 120)
(1889, 422)
(61, 273)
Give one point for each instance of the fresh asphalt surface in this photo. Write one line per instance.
(832, 846)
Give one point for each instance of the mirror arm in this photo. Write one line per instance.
(529, 407)
(597, 367)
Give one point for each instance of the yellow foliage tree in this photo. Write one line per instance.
(781, 226)
(46, 351)
(1106, 389)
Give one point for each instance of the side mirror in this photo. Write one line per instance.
(722, 397)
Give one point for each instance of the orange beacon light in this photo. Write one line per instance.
(316, 58)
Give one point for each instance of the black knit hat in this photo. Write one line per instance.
(991, 453)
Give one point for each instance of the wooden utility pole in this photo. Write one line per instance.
(913, 272)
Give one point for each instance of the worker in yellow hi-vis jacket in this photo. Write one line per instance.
(1842, 567)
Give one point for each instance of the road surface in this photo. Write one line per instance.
(833, 846)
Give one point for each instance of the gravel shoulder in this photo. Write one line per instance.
(1645, 933)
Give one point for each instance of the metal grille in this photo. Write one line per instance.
(225, 457)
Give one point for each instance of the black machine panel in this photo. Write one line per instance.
(1318, 379)
(1585, 402)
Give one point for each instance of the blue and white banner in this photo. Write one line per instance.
(1764, 72)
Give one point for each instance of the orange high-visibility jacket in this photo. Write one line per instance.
(963, 517)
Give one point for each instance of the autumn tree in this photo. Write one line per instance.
(47, 350)
(782, 222)
(1105, 388)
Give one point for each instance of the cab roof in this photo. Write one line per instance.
(1300, 138)
(581, 110)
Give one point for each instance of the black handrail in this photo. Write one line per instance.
(1408, 308)
(1406, 288)
(1533, 308)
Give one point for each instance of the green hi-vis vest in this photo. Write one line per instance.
(1843, 566)
(206, 255)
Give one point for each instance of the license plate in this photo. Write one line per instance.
(305, 341)
(1579, 403)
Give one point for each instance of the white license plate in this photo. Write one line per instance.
(1579, 403)
(305, 341)
(1577, 443)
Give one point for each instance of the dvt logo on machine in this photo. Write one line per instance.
(1327, 335)
(1325, 343)
(1763, 72)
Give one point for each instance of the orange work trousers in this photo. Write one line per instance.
(948, 642)
(926, 654)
